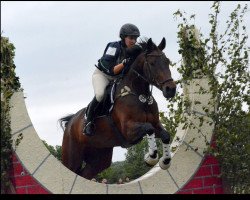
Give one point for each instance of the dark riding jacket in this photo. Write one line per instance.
(113, 54)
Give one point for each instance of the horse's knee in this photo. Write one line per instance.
(165, 137)
(149, 128)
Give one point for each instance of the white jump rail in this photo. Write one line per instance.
(57, 179)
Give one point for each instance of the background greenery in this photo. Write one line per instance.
(9, 84)
(223, 57)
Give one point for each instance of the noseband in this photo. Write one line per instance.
(149, 67)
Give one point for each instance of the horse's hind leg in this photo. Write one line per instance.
(96, 160)
(72, 154)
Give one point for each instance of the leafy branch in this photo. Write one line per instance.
(9, 84)
(224, 60)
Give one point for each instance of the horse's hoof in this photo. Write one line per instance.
(164, 163)
(151, 161)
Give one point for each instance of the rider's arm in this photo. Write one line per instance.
(134, 51)
(125, 63)
(109, 59)
(118, 68)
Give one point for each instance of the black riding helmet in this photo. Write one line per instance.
(129, 29)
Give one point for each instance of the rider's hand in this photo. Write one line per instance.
(126, 62)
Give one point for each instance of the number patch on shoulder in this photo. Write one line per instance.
(111, 51)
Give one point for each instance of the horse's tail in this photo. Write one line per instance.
(64, 121)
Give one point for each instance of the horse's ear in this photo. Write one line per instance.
(162, 45)
(149, 45)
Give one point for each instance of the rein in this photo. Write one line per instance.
(145, 98)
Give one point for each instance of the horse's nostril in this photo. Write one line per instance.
(169, 92)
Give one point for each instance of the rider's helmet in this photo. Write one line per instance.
(129, 30)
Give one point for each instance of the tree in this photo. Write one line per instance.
(223, 58)
(134, 164)
(113, 173)
(9, 84)
(55, 151)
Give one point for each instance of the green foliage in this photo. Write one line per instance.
(223, 58)
(9, 84)
(113, 173)
(9, 80)
(134, 164)
(233, 150)
(5, 146)
(55, 151)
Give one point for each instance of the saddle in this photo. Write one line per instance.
(106, 105)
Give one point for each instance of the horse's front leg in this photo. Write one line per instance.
(165, 160)
(151, 158)
(135, 131)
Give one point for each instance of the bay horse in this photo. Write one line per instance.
(134, 115)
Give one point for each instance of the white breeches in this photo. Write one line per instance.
(99, 82)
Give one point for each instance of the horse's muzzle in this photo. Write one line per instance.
(169, 91)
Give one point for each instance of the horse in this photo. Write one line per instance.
(134, 115)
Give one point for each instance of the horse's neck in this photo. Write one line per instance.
(137, 84)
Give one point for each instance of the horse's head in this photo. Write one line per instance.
(156, 67)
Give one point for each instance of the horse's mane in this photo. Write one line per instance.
(143, 44)
(141, 47)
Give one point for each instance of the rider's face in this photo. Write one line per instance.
(130, 41)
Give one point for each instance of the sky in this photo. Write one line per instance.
(58, 44)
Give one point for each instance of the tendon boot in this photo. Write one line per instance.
(89, 125)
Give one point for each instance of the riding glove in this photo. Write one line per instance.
(126, 62)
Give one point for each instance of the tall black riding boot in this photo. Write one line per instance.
(89, 126)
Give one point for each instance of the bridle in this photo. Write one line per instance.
(145, 98)
(151, 79)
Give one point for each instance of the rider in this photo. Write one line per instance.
(114, 61)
